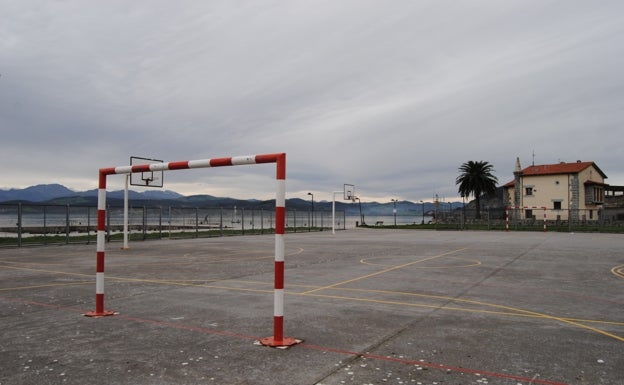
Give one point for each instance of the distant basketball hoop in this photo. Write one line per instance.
(349, 192)
(146, 178)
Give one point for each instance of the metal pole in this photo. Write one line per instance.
(45, 225)
(278, 338)
(144, 223)
(394, 211)
(334, 211)
(67, 224)
(19, 224)
(243, 221)
(196, 222)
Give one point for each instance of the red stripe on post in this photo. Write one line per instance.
(99, 304)
(102, 178)
(141, 168)
(279, 275)
(280, 219)
(266, 158)
(100, 262)
(218, 162)
(178, 165)
(278, 330)
(101, 220)
(281, 166)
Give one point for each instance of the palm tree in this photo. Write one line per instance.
(476, 178)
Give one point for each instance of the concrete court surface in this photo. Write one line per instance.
(372, 306)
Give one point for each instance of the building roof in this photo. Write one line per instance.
(560, 168)
(557, 168)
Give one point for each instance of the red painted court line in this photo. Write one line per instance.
(302, 345)
(434, 365)
(187, 327)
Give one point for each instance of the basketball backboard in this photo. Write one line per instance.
(147, 178)
(349, 192)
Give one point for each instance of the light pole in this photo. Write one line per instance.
(394, 202)
(312, 208)
(361, 216)
(423, 213)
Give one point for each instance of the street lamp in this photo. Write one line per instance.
(423, 213)
(361, 216)
(394, 202)
(312, 208)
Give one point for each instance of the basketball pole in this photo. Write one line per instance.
(334, 212)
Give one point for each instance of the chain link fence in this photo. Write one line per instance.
(32, 224)
(532, 219)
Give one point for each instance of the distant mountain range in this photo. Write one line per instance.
(48, 192)
(59, 194)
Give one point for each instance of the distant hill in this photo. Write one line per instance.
(57, 194)
(38, 193)
(50, 192)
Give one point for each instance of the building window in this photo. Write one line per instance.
(598, 194)
(594, 195)
(528, 214)
(528, 191)
(557, 205)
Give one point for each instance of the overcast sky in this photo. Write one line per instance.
(391, 96)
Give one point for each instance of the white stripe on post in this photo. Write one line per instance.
(101, 199)
(99, 283)
(201, 163)
(279, 247)
(278, 303)
(280, 198)
(241, 160)
(123, 170)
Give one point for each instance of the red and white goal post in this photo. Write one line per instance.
(508, 208)
(278, 339)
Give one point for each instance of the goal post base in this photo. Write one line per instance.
(104, 313)
(282, 343)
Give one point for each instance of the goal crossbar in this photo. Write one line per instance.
(279, 159)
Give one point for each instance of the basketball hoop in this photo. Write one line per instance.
(146, 178)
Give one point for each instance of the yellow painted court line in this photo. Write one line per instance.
(509, 311)
(618, 271)
(48, 285)
(471, 263)
(512, 310)
(384, 271)
(46, 271)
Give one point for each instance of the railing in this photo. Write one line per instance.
(533, 219)
(33, 224)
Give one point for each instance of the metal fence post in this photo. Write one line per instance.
(67, 224)
(88, 224)
(108, 227)
(243, 221)
(196, 222)
(45, 225)
(221, 221)
(169, 221)
(19, 225)
(160, 222)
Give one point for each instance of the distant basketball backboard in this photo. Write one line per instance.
(147, 178)
(349, 192)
